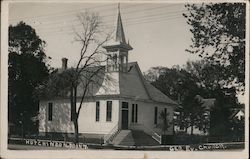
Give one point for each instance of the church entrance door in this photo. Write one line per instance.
(124, 115)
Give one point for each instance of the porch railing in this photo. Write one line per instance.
(149, 131)
(154, 134)
(110, 136)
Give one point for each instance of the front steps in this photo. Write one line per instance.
(143, 139)
(133, 138)
(124, 137)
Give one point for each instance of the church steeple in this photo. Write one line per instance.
(120, 36)
(118, 48)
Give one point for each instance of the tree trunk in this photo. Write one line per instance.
(73, 97)
(192, 125)
(192, 129)
(76, 130)
(75, 115)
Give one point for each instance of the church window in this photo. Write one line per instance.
(97, 112)
(109, 111)
(156, 115)
(50, 113)
(134, 113)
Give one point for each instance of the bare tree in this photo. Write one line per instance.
(88, 70)
(77, 82)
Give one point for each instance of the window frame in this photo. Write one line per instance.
(156, 115)
(97, 111)
(136, 113)
(133, 113)
(109, 111)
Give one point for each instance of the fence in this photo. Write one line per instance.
(197, 139)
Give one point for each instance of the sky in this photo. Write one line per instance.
(158, 33)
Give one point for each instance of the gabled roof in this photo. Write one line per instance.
(130, 85)
(157, 95)
(133, 80)
(235, 112)
(154, 93)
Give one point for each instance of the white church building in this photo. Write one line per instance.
(130, 104)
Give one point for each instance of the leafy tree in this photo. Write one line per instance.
(219, 36)
(27, 69)
(153, 73)
(181, 86)
(219, 115)
(238, 127)
(197, 78)
(193, 111)
(175, 82)
(210, 77)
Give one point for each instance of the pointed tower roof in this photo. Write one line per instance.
(120, 36)
(119, 40)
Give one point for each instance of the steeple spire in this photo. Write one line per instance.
(120, 36)
(118, 49)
